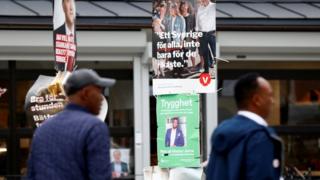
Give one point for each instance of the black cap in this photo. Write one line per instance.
(84, 77)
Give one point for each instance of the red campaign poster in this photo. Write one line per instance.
(64, 35)
(184, 46)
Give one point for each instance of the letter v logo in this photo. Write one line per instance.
(205, 79)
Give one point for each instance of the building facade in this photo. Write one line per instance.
(279, 40)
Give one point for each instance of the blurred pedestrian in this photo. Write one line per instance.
(243, 147)
(74, 144)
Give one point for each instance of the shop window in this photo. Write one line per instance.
(121, 122)
(3, 157)
(120, 100)
(302, 152)
(303, 102)
(22, 90)
(4, 65)
(297, 102)
(31, 65)
(4, 104)
(25, 144)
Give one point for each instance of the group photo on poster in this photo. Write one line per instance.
(183, 38)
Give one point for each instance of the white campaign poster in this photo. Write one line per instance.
(184, 46)
(120, 162)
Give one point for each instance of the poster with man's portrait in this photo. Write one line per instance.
(65, 46)
(178, 133)
(120, 159)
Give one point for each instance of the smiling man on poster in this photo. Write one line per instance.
(174, 135)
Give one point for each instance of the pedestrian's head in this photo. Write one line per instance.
(117, 155)
(162, 9)
(85, 88)
(205, 2)
(175, 122)
(173, 9)
(254, 93)
(185, 7)
(68, 8)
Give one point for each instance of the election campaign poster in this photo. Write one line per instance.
(178, 130)
(184, 46)
(120, 158)
(46, 97)
(43, 101)
(65, 45)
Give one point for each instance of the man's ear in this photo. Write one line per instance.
(84, 93)
(256, 99)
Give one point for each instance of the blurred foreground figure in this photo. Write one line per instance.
(243, 147)
(74, 144)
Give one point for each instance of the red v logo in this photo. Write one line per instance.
(205, 79)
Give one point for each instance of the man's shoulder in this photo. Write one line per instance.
(238, 124)
(239, 120)
(74, 119)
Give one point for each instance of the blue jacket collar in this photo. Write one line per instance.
(72, 106)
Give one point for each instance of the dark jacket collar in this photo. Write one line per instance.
(73, 106)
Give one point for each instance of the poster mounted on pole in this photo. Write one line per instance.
(64, 34)
(184, 46)
(178, 132)
(46, 97)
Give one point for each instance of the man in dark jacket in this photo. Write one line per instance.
(74, 144)
(243, 147)
(174, 135)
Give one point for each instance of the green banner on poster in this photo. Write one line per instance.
(178, 130)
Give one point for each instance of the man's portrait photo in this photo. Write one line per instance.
(64, 20)
(175, 136)
(120, 161)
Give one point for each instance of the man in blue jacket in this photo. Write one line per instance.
(174, 135)
(74, 144)
(243, 147)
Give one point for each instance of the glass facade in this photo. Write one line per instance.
(3, 157)
(295, 115)
(16, 129)
(4, 103)
(24, 147)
